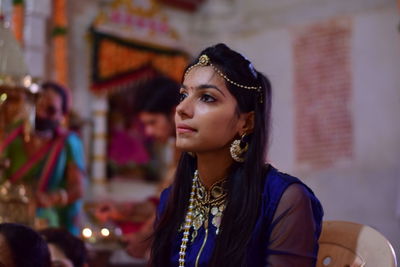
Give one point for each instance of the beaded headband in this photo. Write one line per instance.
(204, 60)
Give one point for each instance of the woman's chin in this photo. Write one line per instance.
(185, 146)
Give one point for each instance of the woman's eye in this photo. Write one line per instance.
(182, 96)
(207, 98)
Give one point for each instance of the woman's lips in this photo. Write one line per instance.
(183, 128)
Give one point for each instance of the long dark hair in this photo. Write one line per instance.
(245, 179)
(159, 95)
(73, 247)
(28, 248)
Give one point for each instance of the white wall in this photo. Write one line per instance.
(376, 59)
(271, 53)
(367, 190)
(82, 13)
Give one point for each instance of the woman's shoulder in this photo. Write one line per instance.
(165, 193)
(163, 200)
(280, 185)
(275, 180)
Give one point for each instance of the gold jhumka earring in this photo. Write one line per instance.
(238, 149)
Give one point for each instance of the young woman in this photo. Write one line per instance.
(227, 207)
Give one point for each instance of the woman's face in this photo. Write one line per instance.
(6, 257)
(48, 111)
(206, 118)
(157, 125)
(49, 106)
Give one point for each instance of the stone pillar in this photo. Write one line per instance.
(35, 30)
(99, 143)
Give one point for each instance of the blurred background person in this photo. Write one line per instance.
(51, 163)
(66, 250)
(155, 106)
(20, 246)
(128, 155)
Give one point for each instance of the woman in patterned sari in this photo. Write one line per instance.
(51, 163)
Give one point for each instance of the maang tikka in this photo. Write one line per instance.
(204, 60)
(238, 149)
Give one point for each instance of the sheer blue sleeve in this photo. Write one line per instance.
(295, 230)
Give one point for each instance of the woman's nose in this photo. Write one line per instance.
(185, 108)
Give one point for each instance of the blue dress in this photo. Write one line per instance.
(285, 234)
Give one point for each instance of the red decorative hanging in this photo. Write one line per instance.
(60, 57)
(189, 5)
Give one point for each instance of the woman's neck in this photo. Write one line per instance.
(213, 166)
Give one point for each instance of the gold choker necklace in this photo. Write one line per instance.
(202, 202)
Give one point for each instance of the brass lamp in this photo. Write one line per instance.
(14, 80)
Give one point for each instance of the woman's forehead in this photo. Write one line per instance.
(50, 95)
(203, 75)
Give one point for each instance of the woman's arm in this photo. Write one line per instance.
(75, 186)
(61, 197)
(295, 231)
(74, 177)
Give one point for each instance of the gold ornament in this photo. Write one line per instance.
(16, 204)
(238, 149)
(204, 60)
(206, 202)
(202, 203)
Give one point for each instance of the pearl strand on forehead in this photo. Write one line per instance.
(188, 222)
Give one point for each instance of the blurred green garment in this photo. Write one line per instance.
(46, 171)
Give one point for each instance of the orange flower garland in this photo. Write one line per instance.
(60, 55)
(18, 20)
(115, 58)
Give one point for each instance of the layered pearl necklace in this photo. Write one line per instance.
(188, 222)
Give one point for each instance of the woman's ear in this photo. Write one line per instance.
(246, 123)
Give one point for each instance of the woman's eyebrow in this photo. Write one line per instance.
(204, 86)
